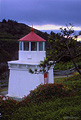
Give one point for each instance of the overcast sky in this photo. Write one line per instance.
(44, 14)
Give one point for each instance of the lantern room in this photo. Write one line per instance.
(32, 48)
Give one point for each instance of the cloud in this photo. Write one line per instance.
(42, 12)
(52, 27)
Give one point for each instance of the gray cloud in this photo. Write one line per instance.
(59, 12)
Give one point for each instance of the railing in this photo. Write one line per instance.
(65, 72)
(3, 84)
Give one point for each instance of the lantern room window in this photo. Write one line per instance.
(33, 46)
(20, 45)
(40, 46)
(26, 46)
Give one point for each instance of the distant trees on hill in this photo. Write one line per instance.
(9, 21)
(14, 30)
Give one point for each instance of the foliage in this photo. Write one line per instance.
(44, 67)
(3, 68)
(61, 65)
(68, 34)
(52, 110)
(46, 92)
(64, 45)
(31, 71)
(9, 46)
(3, 21)
(13, 30)
(48, 102)
(74, 82)
(4, 54)
(41, 94)
(7, 107)
(8, 50)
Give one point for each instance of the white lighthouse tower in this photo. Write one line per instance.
(31, 52)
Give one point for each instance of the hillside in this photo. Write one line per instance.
(13, 30)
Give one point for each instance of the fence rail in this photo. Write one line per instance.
(65, 72)
(3, 84)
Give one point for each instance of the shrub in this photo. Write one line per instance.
(46, 92)
(73, 82)
(7, 107)
(58, 109)
(57, 102)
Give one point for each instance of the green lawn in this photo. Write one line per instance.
(4, 89)
(59, 80)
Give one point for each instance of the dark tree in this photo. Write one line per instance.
(65, 45)
(4, 21)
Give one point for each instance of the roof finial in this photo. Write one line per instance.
(32, 25)
(32, 28)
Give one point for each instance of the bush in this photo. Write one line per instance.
(53, 110)
(46, 92)
(4, 56)
(7, 107)
(57, 102)
(73, 81)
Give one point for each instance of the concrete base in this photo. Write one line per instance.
(13, 96)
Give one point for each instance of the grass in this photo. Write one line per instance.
(59, 80)
(4, 89)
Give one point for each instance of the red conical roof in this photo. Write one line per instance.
(32, 37)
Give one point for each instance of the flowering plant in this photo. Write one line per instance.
(46, 92)
(7, 106)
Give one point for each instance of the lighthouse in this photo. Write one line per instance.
(31, 52)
